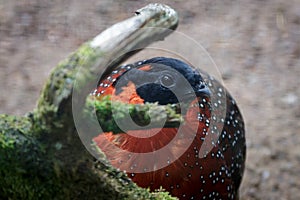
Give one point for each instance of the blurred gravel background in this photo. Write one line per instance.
(255, 44)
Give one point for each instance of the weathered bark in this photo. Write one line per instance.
(41, 154)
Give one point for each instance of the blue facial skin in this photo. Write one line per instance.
(168, 81)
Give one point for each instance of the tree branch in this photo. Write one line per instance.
(107, 113)
(41, 155)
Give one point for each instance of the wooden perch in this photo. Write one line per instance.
(41, 154)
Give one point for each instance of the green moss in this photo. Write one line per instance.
(8, 126)
(163, 195)
(20, 156)
(140, 113)
(39, 168)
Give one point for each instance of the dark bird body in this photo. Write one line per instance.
(207, 160)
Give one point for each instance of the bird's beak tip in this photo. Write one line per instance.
(203, 92)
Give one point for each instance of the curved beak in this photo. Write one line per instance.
(205, 91)
(202, 90)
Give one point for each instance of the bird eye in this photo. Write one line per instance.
(167, 80)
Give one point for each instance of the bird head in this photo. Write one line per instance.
(163, 80)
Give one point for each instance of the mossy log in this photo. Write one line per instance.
(107, 114)
(41, 154)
